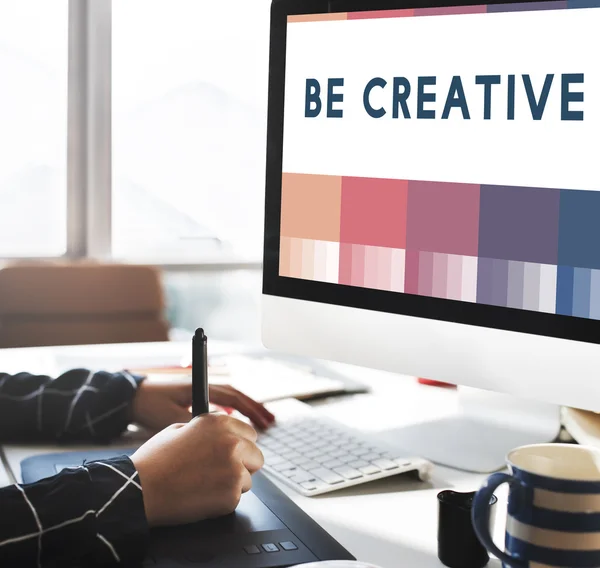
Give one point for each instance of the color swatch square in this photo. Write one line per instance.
(310, 206)
(426, 260)
(440, 275)
(564, 290)
(579, 229)
(548, 276)
(492, 282)
(411, 272)
(378, 268)
(374, 212)
(519, 223)
(352, 264)
(285, 256)
(595, 295)
(455, 277)
(532, 276)
(443, 217)
(398, 272)
(582, 280)
(516, 284)
(470, 266)
(296, 258)
(327, 261)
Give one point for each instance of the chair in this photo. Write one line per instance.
(65, 303)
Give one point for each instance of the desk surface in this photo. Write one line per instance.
(391, 523)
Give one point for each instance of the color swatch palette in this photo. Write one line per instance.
(519, 247)
(447, 11)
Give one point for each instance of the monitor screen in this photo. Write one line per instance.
(442, 162)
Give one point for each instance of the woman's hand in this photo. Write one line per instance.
(197, 470)
(160, 403)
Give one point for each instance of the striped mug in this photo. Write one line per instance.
(553, 507)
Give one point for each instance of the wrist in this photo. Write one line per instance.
(135, 408)
(149, 492)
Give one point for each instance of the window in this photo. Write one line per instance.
(189, 104)
(226, 303)
(33, 133)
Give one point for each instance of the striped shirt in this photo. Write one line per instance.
(90, 516)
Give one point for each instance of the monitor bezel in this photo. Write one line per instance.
(473, 314)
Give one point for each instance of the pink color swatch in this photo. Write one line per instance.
(374, 212)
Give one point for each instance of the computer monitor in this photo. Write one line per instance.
(433, 204)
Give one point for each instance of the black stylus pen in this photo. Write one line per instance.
(199, 374)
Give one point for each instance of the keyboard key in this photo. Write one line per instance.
(368, 457)
(331, 437)
(252, 549)
(322, 458)
(269, 547)
(310, 465)
(338, 453)
(400, 460)
(360, 452)
(309, 486)
(327, 476)
(347, 458)
(302, 477)
(348, 472)
(385, 464)
(292, 455)
(274, 460)
(369, 469)
(313, 453)
(288, 545)
(358, 464)
(302, 460)
(290, 472)
(283, 466)
(332, 463)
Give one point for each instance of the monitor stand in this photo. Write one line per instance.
(486, 428)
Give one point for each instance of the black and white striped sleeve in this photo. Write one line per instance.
(79, 405)
(85, 517)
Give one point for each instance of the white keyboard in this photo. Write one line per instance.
(315, 455)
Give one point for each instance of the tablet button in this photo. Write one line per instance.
(252, 549)
(288, 545)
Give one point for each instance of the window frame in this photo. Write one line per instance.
(89, 148)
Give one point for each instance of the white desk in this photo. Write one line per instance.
(391, 523)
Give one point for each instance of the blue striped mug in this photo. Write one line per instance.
(553, 507)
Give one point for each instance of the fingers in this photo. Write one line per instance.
(242, 429)
(256, 412)
(251, 456)
(246, 481)
(222, 422)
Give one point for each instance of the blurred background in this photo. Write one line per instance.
(134, 132)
